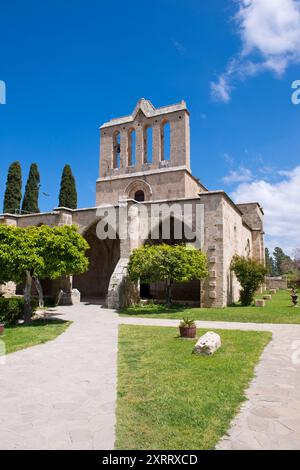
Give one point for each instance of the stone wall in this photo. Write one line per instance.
(237, 241)
(164, 184)
(8, 289)
(276, 283)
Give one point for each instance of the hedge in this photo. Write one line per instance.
(11, 310)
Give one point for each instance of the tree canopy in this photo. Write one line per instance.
(13, 191)
(40, 252)
(251, 275)
(178, 263)
(31, 197)
(68, 192)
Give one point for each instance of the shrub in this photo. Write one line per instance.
(12, 310)
(251, 275)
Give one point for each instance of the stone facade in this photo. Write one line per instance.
(140, 173)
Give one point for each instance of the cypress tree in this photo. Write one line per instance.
(68, 193)
(13, 192)
(31, 196)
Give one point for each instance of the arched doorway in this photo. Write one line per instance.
(103, 256)
(185, 293)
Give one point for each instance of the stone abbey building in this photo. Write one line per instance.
(145, 163)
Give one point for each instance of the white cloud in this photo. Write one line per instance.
(270, 36)
(179, 47)
(241, 176)
(228, 158)
(281, 202)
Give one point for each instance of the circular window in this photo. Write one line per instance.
(139, 196)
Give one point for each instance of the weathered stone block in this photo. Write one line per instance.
(208, 344)
(70, 298)
(260, 303)
(267, 297)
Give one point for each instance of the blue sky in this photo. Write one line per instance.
(71, 65)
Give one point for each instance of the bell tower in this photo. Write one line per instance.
(146, 155)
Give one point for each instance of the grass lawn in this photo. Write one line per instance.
(171, 399)
(277, 310)
(40, 331)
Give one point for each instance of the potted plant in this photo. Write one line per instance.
(294, 297)
(187, 328)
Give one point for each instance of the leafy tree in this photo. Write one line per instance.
(13, 192)
(283, 262)
(297, 259)
(269, 263)
(250, 274)
(168, 263)
(68, 192)
(42, 252)
(31, 197)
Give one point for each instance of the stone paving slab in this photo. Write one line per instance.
(270, 418)
(62, 394)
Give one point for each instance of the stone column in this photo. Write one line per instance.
(124, 149)
(139, 147)
(64, 216)
(156, 145)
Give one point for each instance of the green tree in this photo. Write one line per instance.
(42, 252)
(250, 274)
(68, 192)
(269, 263)
(168, 263)
(283, 263)
(31, 197)
(13, 192)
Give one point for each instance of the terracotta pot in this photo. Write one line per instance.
(1, 328)
(188, 332)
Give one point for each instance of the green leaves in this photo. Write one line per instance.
(152, 263)
(43, 251)
(68, 192)
(13, 192)
(250, 274)
(30, 203)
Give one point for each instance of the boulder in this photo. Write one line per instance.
(208, 344)
(260, 303)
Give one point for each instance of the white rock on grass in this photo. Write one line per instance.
(208, 344)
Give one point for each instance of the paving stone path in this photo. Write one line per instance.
(61, 395)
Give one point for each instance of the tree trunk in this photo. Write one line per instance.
(27, 299)
(169, 293)
(39, 289)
